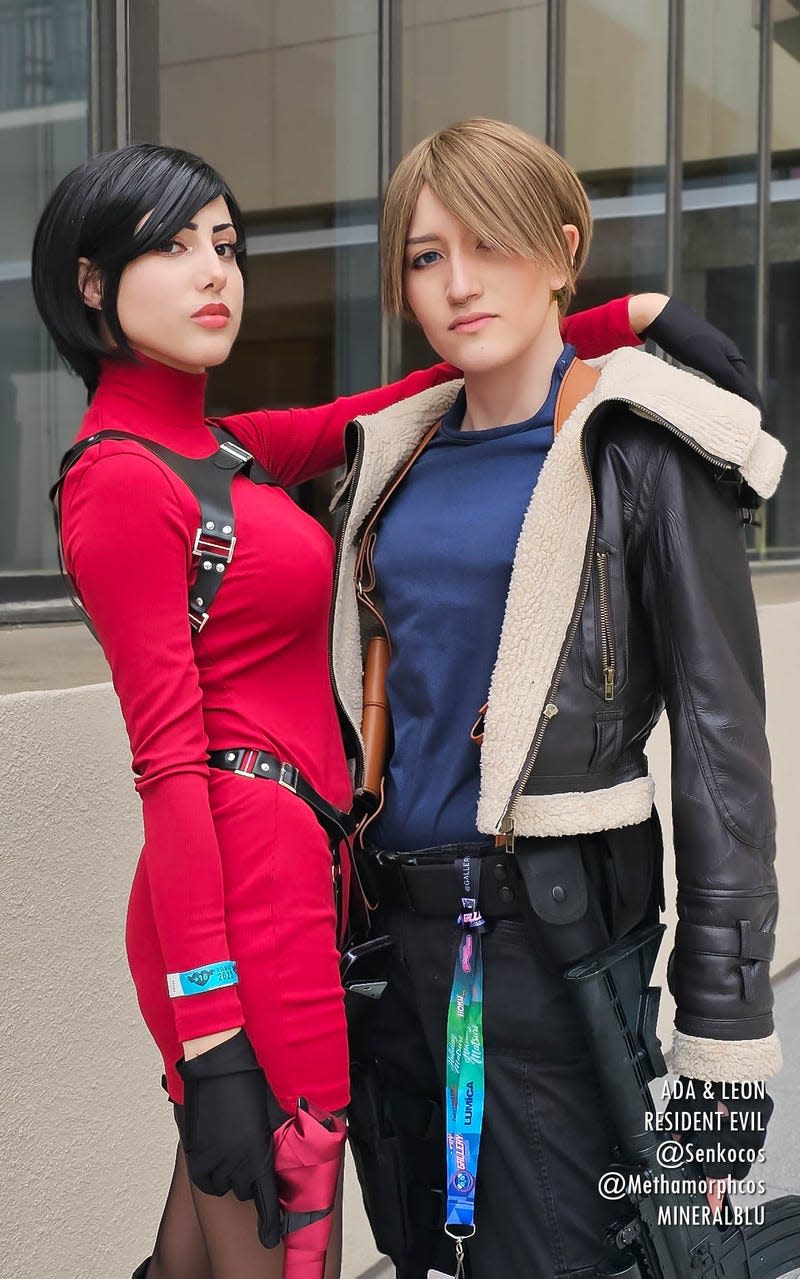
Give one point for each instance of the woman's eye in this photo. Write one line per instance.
(227, 250)
(425, 259)
(169, 248)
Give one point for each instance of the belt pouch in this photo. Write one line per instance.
(566, 922)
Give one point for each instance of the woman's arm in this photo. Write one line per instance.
(127, 548)
(296, 444)
(603, 329)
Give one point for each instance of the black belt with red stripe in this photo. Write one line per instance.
(245, 761)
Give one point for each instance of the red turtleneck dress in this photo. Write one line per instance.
(231, 868)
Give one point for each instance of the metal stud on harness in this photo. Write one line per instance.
(210, 480)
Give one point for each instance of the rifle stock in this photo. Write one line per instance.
(619, 1011)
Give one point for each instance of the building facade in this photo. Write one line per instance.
(681, 116)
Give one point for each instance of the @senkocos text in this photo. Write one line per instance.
(689, 1145)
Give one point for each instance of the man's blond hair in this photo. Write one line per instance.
(507, 187)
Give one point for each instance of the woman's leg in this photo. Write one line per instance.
(230, 1230)
(180, 1251)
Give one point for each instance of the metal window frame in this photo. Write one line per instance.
(124, 106)
(39, 596)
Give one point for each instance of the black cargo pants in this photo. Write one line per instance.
(545, 1139)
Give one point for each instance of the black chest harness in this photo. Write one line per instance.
(210, 479)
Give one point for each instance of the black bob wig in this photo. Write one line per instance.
(93, 213)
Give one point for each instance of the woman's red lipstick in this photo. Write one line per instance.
(214, 315)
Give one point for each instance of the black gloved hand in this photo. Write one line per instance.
(230, 1115)
(692, 340)
(737, 1146)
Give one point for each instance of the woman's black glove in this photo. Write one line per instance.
(230, 1113)
(692, 340)
(735, 1145)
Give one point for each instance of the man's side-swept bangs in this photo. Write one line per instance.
(510, 189)
(94, 214)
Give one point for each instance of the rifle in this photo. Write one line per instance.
(660, 1239)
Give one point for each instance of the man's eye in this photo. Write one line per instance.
(425, 259)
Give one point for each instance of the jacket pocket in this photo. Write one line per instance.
(607, 740)
(604, 625)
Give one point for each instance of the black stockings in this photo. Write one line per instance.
(205, 1237)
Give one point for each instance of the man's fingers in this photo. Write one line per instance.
(268, 1209)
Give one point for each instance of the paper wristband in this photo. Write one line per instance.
(198, 980)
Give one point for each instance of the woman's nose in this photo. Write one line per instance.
(213, 270)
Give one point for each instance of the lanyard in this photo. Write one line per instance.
(464, 1100)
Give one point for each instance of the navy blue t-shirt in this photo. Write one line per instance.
(443, 560)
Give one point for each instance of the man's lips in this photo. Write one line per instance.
(471, 323)
(214, 315)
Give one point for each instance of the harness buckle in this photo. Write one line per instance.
(289, 777)
(208, 544)
(236, 451)
(197, 623)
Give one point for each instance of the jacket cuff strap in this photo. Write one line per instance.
(741, 942)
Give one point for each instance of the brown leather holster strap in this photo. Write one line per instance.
(576, 384)
(376, 718)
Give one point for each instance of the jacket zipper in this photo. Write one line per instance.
(345, 715)
(606, 631)
(506, 824)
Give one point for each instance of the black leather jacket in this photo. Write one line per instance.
(630, 594)
(670, 610)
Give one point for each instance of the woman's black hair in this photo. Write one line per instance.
(93, 213)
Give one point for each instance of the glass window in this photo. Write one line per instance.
(465, 58)
(615, 129)
(44, 132)
(783, 339)
(282, 97)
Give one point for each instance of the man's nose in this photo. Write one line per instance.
(464, 280)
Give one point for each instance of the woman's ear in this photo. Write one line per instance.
(89, 284)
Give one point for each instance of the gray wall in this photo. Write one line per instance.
(86, 1138)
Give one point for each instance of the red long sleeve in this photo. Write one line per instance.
(600, 330)
(127, 546)
(297, 444)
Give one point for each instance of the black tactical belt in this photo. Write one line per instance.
(430, 885)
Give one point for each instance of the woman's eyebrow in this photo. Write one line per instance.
(422, 239)
(221, 226)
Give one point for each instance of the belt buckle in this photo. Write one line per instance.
(288, 778)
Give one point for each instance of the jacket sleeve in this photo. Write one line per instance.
(296, 444)
(697, 343)
(127, 548)
(696, 590)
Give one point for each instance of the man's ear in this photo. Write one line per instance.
(573, 238)
(89, 284)
(572, 235)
